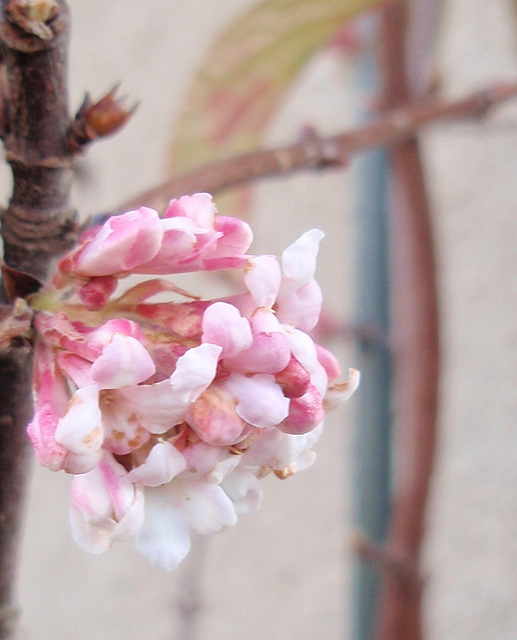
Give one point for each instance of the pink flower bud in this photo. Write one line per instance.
(96, 292)
(305, 413)
(214, 418)
(123, 243)
(294, 379)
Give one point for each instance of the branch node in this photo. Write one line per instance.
(33, 16)
(388, 561)
(320, 152)
(15, 321)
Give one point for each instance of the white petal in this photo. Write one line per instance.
(262, 277)
(209, 463)
(79, 464)
(152, 406)
(80, 430)
(339, 392)
(301, 307)
(87, 536)
(132, 521)
(194, 371)
(299, 259)
(303, 348)
(164, 537)
(243, 489)
(163, 463)
(276, 449)
(260, 401)
(90, 496)
(207, 507)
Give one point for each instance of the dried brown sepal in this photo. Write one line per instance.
(18, 284)
(15, 322)
(286, 472)
(33, 16)
(98, 119)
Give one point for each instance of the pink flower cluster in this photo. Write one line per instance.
(169, 413)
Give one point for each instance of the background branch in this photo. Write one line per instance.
(415, 347)
(314, 152)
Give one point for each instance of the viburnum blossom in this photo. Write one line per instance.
(169, 413)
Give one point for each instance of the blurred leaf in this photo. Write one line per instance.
(247, 72)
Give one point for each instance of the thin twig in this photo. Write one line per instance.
(315, 152)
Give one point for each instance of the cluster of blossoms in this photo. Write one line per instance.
(169, 413)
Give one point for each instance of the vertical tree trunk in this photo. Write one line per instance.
(37, 225)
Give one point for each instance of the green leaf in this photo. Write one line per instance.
(247, 72)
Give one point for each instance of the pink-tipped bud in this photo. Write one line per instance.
(294, 379)
(305, 413)
(96, 292)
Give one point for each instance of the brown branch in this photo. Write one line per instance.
(37, 225)
(415, 347)
(314, 152)
(39, 222)
(15, 412)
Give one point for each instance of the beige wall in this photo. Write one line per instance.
(284, 572)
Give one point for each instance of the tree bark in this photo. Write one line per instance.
(36, 227)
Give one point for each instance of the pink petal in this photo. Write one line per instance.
(96, 292)
(305, 413)
(124, 362)
(236, 237)
(50, 405)
(269, 353)
(214, 418)
(223, 325)
(41, 432)
(120, 244)
(199, 208)
(194, 371)
(270, 350)
(76, 368)
(328, 362)
(294, 379)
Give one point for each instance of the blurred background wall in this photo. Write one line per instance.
(285, 571)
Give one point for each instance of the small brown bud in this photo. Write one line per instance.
(99, 119)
